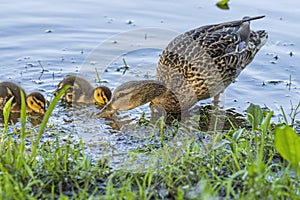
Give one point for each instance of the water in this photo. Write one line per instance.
(42, 41)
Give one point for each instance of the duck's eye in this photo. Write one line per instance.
(31, 102)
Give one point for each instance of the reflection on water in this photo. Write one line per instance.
(34, 119)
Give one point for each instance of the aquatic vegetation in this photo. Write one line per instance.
(223, 4)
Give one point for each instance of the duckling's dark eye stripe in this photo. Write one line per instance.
(103, 96)
(38, 102)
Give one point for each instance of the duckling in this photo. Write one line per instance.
(195, 65)
(81, 91)
(35, 101)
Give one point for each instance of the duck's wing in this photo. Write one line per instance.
(230, 41)
(227, 33)
(210, 54)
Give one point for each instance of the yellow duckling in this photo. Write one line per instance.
(195, 65)
(81, 91)
(35, 101)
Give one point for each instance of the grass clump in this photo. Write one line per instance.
(241, 163)
(44, 171)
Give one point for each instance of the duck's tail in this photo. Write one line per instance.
(258, 39)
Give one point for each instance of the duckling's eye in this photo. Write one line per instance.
(31, 102)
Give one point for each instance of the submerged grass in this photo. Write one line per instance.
(245, 166)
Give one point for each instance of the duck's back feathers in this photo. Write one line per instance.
(227, 33)
(202, 62)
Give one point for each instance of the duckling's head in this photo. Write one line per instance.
(102, 95)
(132, 94)
(36, 102)
(68, 80)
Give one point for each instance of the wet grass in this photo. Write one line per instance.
(240, 163)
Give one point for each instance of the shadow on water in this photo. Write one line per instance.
(208, 118)
(34, 119)
(211, 118)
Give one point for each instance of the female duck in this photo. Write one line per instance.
(81, 91)
(195, 65)
(35, 101)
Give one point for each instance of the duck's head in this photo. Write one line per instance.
(36, 102)
(132, 94)
(102, 95)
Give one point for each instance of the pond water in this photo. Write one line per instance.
(42, 41)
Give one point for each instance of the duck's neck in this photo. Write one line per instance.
(167, 101)
(137, 93)
(133, 94)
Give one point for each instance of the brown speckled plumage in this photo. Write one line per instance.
(199, 64)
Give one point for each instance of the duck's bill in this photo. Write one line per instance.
(106, 112)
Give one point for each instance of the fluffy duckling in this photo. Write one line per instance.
(81, 91)
(195, 65)
(35, 101)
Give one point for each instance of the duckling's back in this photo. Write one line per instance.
(81, 91)
(8, 90)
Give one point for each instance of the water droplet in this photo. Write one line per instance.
(48, 31)
(129, 21)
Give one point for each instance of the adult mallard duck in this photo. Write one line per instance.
(81, 91)
(35, 101)
(195, 65)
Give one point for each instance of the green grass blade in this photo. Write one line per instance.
(23, 122)
(265, 125)
(284, 115)
(125, 65)
(46, 118)
(23, 112)
(6, 113)
(98, 76)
